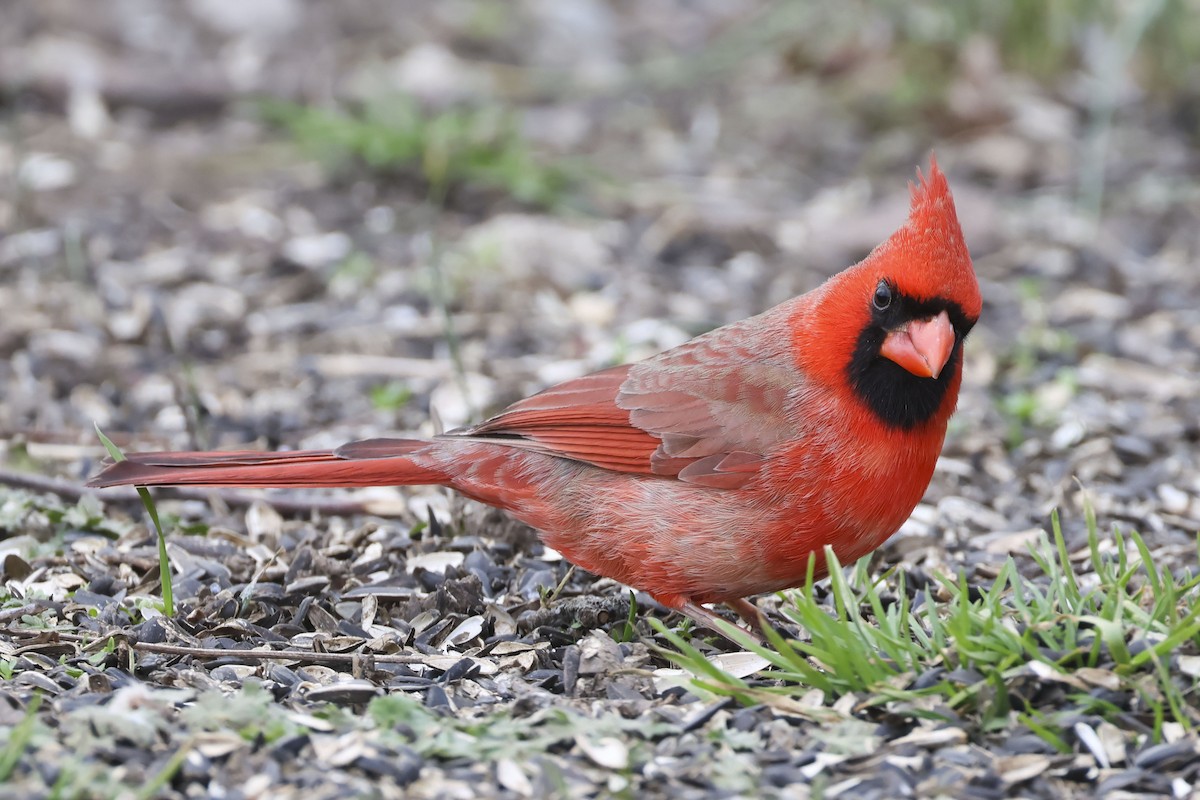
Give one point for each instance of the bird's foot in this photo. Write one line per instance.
(748, 612)
(709, 619)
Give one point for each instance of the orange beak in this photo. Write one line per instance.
(922, 346)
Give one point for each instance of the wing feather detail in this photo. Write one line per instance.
(709, 412)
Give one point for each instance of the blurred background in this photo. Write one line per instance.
(285, 223)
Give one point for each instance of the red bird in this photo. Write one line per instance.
(716, 469)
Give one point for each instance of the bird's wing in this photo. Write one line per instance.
(708, 413)
(577, 419)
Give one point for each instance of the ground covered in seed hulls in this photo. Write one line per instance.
(230, 224)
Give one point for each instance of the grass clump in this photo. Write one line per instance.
(447, 149)
(1048, 40)
(975, 650)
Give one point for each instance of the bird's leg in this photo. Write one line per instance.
(748, 612)
(708, 619)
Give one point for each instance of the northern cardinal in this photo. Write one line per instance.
(716, 469)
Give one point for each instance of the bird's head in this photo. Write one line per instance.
(895, 322)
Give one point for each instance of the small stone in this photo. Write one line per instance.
(263, 521)
(470, 628)
(45, 172)
(608, 751)
(1188, 665)
(1067, 435)
(1087, 303)
(1021, 768)
(599, 654)
(740, 665)
(1113, 740)
(510, 775)
(933, 737)
(1103, 678)
(1091, 740)
(262, 18)
(70, 346)
(310, 585)
(31, 244)
(1011, 543)
(960, 511)
(1001, 155)
(1167, 756)
(434, 562)
(458, 400)
(1133, 449)
(318, 250)
(1175, 501)
(432, 73)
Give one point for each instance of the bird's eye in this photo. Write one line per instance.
(883, 296)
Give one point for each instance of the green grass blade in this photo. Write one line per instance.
(693, 660)
(164, 564)
(18, 739)
(1064, 559)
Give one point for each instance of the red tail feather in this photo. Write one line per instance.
(251, 469)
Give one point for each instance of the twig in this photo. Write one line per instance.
(73, 492)
(311, 656)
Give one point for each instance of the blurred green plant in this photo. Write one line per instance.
(1040, 407)
(355, 272)
(1039, 38)
(390, 396)
(1046, 39)
(403, 720)
(918, 45)
(626, 630)
(490, 20)
(1026, 397)
(255, 716)
(463, 147)
(18, 738)
(19, 512)
(447, 149)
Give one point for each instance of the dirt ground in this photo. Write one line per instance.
(195, 253)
